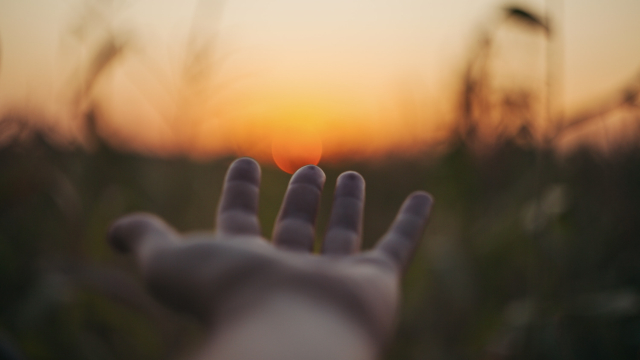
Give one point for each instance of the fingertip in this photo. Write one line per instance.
(244, 169)
(351, 176)
(311, 175)
(249, 161)
(126, 231)
(419, 203)
(350, 184)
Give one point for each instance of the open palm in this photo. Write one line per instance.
(218, 276)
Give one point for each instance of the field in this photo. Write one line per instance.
(527, 255)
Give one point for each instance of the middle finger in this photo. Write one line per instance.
(295, 226)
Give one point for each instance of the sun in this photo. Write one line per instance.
(294, 148)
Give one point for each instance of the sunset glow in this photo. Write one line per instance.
(294, 149)
(293, 81)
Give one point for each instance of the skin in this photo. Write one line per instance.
(284, 301)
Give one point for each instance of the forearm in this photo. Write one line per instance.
(290, 327)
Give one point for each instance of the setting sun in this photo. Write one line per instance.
(294, 149)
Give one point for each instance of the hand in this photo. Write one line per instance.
(221, 276)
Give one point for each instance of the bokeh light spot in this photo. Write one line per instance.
(295, 148)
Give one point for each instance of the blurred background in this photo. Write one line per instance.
(521, 118)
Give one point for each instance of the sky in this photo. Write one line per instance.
(360, 77)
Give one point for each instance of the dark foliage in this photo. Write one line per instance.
(527, 255)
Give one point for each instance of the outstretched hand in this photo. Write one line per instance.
(221, 276)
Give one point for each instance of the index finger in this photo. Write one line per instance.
(238, 208)
(401, 240)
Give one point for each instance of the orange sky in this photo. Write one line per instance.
(365, 76)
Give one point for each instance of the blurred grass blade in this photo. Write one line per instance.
(527, 18)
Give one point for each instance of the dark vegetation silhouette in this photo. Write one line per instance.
(528, 254)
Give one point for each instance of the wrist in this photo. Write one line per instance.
(289, 325)
(370, 304)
